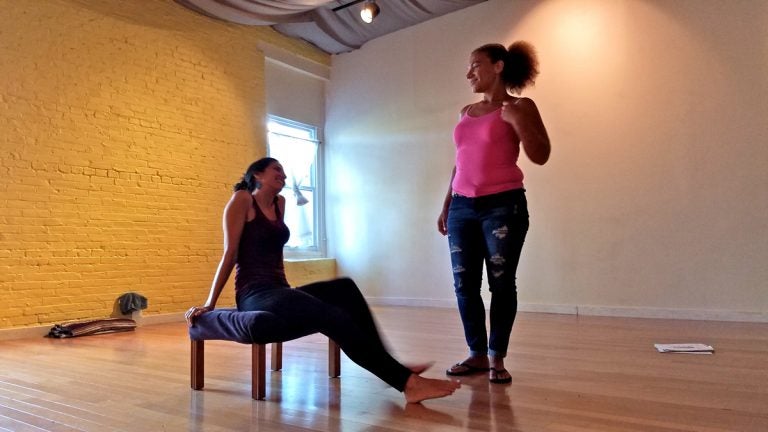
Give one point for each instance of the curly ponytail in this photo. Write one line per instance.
(521, 66)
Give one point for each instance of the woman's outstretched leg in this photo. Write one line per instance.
(306, 314)
(344, 296)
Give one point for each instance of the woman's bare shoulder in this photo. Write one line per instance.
(242, 195)
(524, 102)
(240, 199)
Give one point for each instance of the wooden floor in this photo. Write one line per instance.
(569, 374)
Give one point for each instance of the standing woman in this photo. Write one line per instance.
(254, 236)
(485, 213)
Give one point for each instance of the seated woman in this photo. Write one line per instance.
(254, 236)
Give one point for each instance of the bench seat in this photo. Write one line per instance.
(256, 328)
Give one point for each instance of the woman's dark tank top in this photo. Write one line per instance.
(260, 254)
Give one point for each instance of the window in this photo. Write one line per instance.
(296, 146)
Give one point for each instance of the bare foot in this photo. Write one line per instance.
(496, 362)
(477, 362)
(419, 388)
(420, 368)
(498, 374)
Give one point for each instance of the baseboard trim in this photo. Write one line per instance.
(667, 313)
(548, 308)
(414, 302)
(160, 319)
(24, 332)
(624, 312)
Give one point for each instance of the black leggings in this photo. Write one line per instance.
(337, 309)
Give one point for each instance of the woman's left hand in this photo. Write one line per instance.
(510, 110)
(195, 312)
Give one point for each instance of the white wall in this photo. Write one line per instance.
(654, 202)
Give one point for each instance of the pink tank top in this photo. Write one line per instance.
(487, 149)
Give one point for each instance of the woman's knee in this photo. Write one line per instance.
(465, 287)
(346, 286)
(347, 282)
(503, 289)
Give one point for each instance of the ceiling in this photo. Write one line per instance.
(315, 21)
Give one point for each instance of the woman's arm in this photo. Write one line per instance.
(442, 220)
(233, 221)
(524, 116)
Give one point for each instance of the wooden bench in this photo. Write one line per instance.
(257, 329)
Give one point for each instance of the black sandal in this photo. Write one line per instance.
(465, 369)
(494, 376)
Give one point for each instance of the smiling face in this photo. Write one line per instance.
(482, 74)
(273, 177)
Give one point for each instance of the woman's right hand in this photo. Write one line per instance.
(442, 222)
(195, 312)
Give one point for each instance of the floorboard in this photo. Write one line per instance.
(570, 374)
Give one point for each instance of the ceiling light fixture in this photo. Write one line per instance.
(369, 11)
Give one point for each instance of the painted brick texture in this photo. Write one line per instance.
(123, 126)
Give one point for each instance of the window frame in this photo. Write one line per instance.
(318, 216)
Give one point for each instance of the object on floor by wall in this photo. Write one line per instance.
(91, 327)
(131, 302)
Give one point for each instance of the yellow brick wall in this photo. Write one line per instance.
(123, 125)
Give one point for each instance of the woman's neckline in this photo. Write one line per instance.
(467, 113)
(258, 209)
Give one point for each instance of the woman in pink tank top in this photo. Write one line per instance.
(485, 212)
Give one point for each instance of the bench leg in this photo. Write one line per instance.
(277, 356)
(197, 364)
(258, 372)
(258, 365)
(334, 359)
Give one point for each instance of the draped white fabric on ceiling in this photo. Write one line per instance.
(257, 12)
(315, 22)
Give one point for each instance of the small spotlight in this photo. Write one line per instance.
(369, 11)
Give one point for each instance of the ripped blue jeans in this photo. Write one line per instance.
(489, 229)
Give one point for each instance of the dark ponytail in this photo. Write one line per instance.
(248, 181)
(521, 66)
